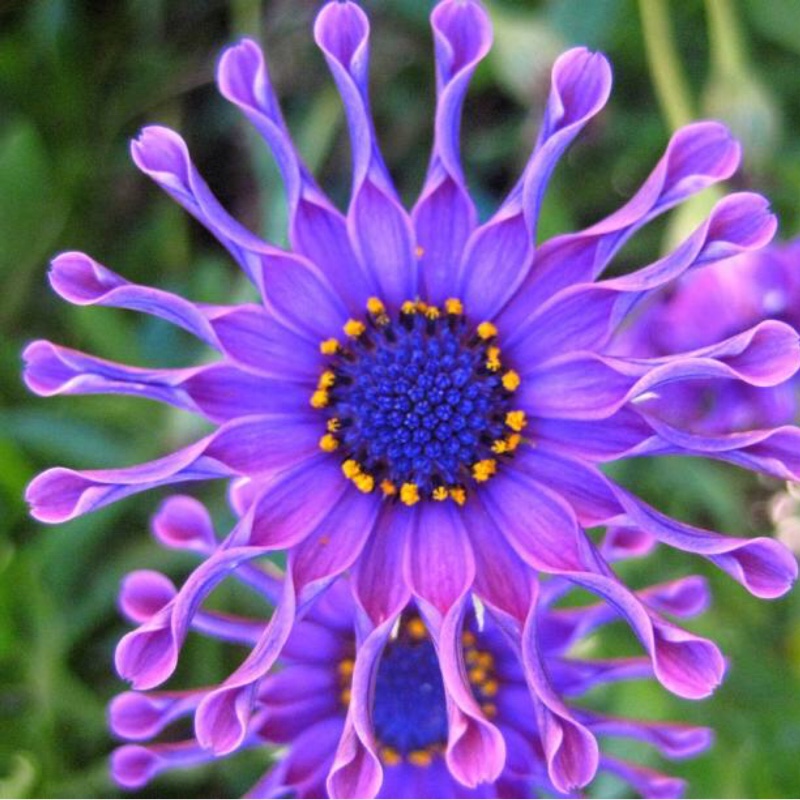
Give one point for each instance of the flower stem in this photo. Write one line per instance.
(670, 83)
(727, 51)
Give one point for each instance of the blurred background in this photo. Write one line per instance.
(78, 78)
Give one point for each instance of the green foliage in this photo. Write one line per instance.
(77, 79)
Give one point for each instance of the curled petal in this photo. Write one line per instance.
(645, 781)
(140, 716)
(765, 567)
(585, 315)
(697, 156)
(184, 523)
(317, 229)
(379, 228)
(476, 752)
(144, 593)
(357, 770)
(671, 740)
(499, 253)
(591, 386)
(237, 447)
(444, 215)
(163, 155)
(218, 391)
(134, 766)
(149, 655)
(81, 280)
(570, 750)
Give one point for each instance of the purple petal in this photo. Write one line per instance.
(183, 523)
(144, 593)
(300, 297)
(499, 254)
(577, 677)
(222, 719)
(334, 545)
(239, 447)
(586, 315)
(445, 216)
(645, 781)
(61, 494)
(672, 740)
(501, 578)
(476, 751)
(380, 229)
(377, 584)
(163, 155)
(697, 156)
(148, 655)
(317, 229)
(439, 565)
(301, 772)
(257, 341)
(139, 716)
(536, 522)
(570, 749)
(765, 567)
(133, 766)
(293, 503)
(357, 771)
(81, 280)
(218, 392)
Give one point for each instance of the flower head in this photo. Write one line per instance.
(425, 400)
(339, 684)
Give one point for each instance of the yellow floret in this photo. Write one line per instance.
(328, 443)
(354, 328)
(416, 628)
(329, 347)
(511, 381)
(483, 470)
(364, 482)
(327, 379)
(319, 399)
(409, 494)
(493, 358)
(351, 468)
(516, 420)
(420, 758)
(459, 495)
(346, 668)
(453, 306)
(375, 306)
(390, 757)
(486, 330)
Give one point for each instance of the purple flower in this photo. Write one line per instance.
(711, 304)
(425, 400)
(364, 711)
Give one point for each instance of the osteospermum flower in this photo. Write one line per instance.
(425, 399)
(710, 304)
(339, 680)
